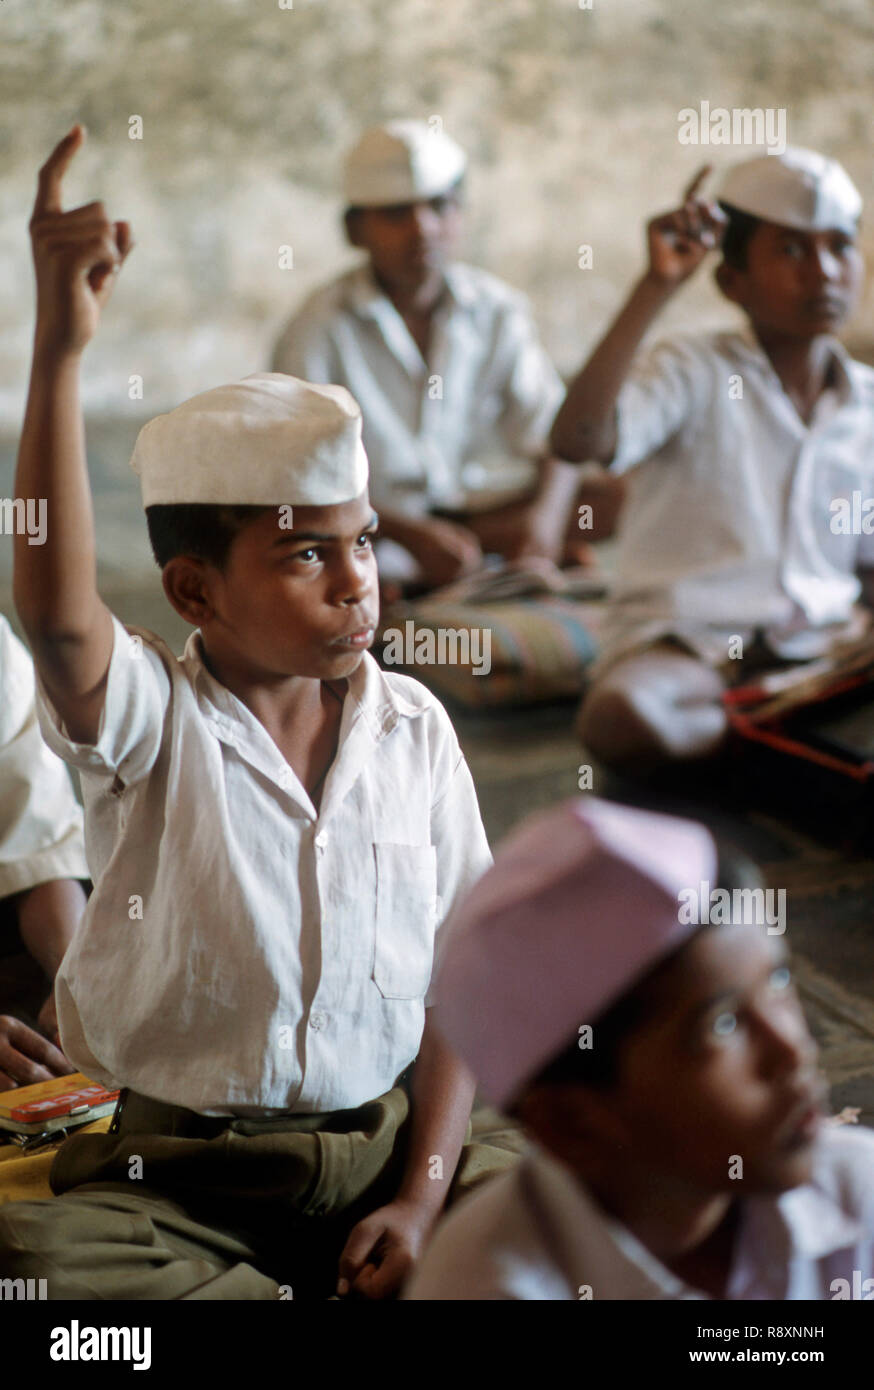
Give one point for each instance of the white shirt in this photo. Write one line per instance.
(536, 1233)
(727, 523)
(40, 820)
(434, 432)
(243, 953)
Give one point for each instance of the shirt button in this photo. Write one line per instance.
(284, 776)
(317, 1020)
(321, 840)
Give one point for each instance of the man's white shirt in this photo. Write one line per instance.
(434, 431)
(243, 953)
(728, 525)
(41, 836)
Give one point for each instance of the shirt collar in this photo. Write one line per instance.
(377, 701)
(805, 1224)
(845, 376)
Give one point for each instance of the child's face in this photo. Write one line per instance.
(296, 602)
(410, 243)
(725, 1068)
(800, 284)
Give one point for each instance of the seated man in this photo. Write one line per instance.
(456, 391)
(738, 448)
(277, 829)
(42, 860)
(664, 1068)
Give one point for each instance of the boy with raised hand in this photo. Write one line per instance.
(456, 390)
(737, 446)
(276, 829)
(664, 1068)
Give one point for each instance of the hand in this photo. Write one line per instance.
(444, 550)
(76, 256)
(678, 241)
(382, 1250)
(26, 1058)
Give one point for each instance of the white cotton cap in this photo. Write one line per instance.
(798, 188)
(401, 162)
(581, 901)
(267, 440)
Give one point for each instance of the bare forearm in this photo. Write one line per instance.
(585, 427)
(557, 487)
(443, 1092)
(55, 582)
(47, 918)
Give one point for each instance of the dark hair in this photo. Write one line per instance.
(197, 528)
(455, 190)
(599, 1066)
(736, 237)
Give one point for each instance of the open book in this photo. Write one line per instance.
(63, 1103)
(848, 666)
(498, 581)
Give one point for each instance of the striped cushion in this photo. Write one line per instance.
(540, 648)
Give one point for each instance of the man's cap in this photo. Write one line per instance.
(798, 188)
(401, 162)
(581, 902)
(267, 440)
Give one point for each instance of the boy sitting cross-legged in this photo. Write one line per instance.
(276, 829)
(738, 447)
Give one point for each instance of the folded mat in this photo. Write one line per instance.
(538, 649)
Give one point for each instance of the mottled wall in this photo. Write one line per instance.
(570, 117)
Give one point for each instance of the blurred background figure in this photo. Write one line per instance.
(42, 863)
(457, 392)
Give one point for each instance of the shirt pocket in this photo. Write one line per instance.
(406, 916)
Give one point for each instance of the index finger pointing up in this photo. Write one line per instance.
(697, 182)
(48, 195)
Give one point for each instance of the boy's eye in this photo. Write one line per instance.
(306, 555)
(365, 540)
(781, 978)
(792, 249)
(724, 1024)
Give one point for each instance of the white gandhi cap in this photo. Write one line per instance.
(798, 188)
(401, 162)
(267, 440)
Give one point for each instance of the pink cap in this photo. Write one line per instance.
(581, 901)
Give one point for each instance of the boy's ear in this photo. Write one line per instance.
(186, 585)
(352, 223)
(727, 279)
(577, 1122)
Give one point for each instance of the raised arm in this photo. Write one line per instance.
(76, 256)
(585, 427)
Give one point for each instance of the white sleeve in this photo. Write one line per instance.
(666, 386)
(132, 721)
(532, 388)
(41, 835)
(305, 350)
(459, 838)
